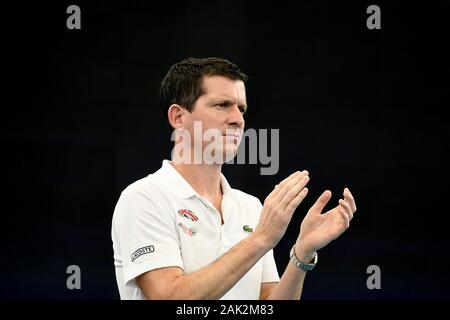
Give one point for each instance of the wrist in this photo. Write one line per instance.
(259, 242)
(304, 254)
(302, 264)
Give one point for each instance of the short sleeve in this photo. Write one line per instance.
(270, 271)
(146, 234)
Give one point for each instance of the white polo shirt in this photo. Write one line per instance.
(160, 221)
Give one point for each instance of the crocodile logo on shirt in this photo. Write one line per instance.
(188, 214)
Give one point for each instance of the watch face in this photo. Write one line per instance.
(309, 267)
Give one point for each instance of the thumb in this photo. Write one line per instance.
(321, 202)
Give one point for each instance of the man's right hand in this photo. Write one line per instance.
(279, 207)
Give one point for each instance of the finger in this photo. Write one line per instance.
(349, 198)
(295, 202)
(321, 202)
(293, 192)
(346, 206)
(277, 188)
(345, 217)
(286, 186)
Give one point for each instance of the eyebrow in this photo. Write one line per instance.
(227, 102)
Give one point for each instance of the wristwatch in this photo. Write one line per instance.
(300, 264)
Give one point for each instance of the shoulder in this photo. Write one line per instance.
(146, 191)
(142, 203)
(144, 187)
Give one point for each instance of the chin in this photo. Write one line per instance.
(226, 154)
(230, 152)
(222, 152)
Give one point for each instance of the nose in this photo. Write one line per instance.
(235, 117)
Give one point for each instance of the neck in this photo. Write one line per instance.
(203, 178)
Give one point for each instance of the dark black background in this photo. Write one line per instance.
(356, 107)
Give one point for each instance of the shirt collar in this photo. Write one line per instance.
(180, 186)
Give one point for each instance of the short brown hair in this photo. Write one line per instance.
(182, 85)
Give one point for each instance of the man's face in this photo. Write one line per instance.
(221, 107)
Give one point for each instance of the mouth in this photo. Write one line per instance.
(233, 134)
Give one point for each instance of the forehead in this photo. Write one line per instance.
(223, 87)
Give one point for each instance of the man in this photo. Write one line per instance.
(184, 233)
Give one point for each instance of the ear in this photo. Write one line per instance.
(175, 114)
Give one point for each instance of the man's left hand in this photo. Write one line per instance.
(317, 229)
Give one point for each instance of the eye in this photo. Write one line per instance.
(242, 109)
